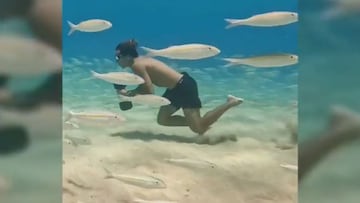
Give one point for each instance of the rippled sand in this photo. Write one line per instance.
(246, 171)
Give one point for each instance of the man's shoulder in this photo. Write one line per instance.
(139, 63)
(146, 59)
(144, 62)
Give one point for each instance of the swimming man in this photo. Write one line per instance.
(182, 90)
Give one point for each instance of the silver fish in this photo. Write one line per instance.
(27, 57)
(152, 201)
(264, 61)
(69, 142)
(149, 182)
(120, 78)
(77, 140)
(289, 166)
(91, 25)
(191, 163)
(95, 117)
(184, 52)
(270, 19)
(147, 99)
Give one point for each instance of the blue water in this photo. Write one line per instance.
(161, 23)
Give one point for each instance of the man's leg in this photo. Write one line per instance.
(166, 117)
(200, 124)
(212, 116)
(193, 120)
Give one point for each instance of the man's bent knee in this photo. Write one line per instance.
(197, 128)
(161, 120)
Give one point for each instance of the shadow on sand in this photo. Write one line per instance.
(149, 136)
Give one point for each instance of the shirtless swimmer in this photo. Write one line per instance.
(182, 90)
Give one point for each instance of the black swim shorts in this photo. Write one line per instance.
(119, 87)
(185, 94)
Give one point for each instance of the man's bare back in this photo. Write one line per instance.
(160, 74)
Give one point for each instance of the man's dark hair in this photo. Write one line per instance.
(127, 48)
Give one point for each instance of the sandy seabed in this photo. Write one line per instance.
(246, 171)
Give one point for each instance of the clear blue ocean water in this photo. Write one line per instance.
(159, 24)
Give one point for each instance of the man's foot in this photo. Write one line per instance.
(234, 101)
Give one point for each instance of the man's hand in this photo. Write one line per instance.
(126, 93)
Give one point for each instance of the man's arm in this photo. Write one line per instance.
(147, 86)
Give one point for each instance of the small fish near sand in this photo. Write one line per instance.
(92, 25)
(119, 78)
(190, 163)
(27, 57)
(147, 99)
(148, 182)
(289, 166)
(69, 142)
(70, 126)
(152, 201)
(95, 119)
(76, 140)
(270, 19)
(184, 52)
(95, 115)
(264, 61)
